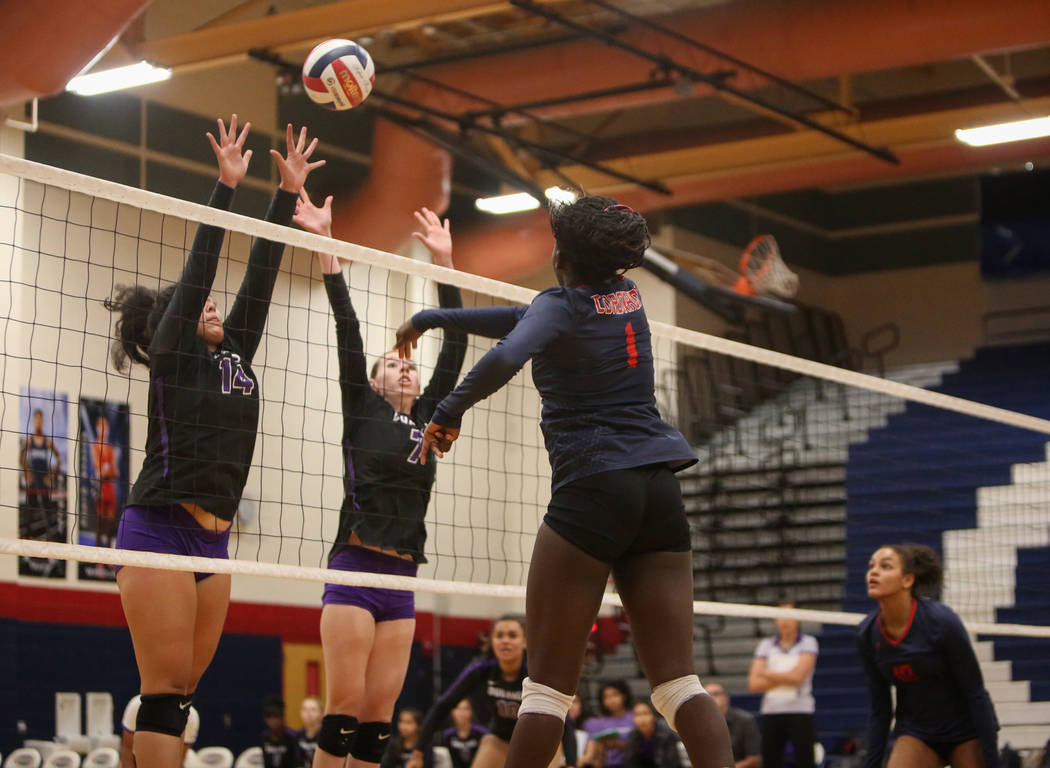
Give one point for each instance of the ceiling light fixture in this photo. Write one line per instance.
(518, 201)
(117, 79)
(1004, 132)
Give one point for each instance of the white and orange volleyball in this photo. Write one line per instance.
(338, 74)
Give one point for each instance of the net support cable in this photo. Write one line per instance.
(142, 199)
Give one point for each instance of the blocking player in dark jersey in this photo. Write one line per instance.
(203, 418)
(917, 644)
(616, 505)
(367, 633)
(38, 472)
(499, 678)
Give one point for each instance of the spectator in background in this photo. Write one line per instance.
(127, 727)
(405, 741)
(743, 731)
(608, 732)
(464, 737)
(279, 744)
(310, 712)
(783, 671)
(651, 744)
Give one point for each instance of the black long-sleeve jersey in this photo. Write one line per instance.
(204, 405)
(386, 489)
(504, 699)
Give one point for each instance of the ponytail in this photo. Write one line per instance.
(140, 312)
(924, 564)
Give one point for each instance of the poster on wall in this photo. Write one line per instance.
(43, 458)
(103, 472)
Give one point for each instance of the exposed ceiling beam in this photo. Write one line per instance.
(301, 29)
(778, 153)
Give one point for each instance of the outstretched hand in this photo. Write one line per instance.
(436, 236)
(310, 217)
(295, 166)
(406, 339)
(319, 221)
(229, 151)
(438, 439)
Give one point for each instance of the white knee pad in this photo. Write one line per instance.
(539, 699)
(668, 697)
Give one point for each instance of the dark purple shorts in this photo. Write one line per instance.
(383, 604)
(171, 530)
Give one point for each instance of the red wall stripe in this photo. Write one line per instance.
(292, 623)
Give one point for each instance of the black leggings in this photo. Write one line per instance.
(778, 730)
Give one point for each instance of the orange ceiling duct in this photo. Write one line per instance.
(46, 46)
(407, 173)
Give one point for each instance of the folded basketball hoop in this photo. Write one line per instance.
(763, 271)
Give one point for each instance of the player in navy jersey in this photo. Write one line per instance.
(616, 505)
(38, 472)
(366, 633)
(499, 678)
(917, 644)
(203, 418)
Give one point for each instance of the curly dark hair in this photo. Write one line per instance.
(140, 312)
(618, 685)
(598, 237)
(923, 563)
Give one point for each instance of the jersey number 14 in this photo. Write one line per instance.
(234, 377)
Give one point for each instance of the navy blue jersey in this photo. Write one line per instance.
(462, 750)
(38, 461)
(592, 362)
(204, 405)
(386, 489)
(940, 691)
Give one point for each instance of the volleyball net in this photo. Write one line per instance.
(805, 467)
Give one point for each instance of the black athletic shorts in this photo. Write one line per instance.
(622, 512)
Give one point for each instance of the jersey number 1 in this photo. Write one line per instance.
(632, 348)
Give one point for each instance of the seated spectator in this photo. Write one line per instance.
(651, 744)
(743, 730)
(128, 724)
(464, 737)
(405, 741)
(279, 744)
(608, 731)
(310, 712)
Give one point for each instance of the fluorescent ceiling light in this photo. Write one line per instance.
(107, 80)
(519, 201)
(1003, 132)
(560, 195)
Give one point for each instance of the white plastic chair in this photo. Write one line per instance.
(103, 757)
(442, 757)
(214, 757)
(25, 757)
(252, 757)
(99, 714)
(189, 760)
(62, 758)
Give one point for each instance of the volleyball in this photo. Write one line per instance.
(338, 74)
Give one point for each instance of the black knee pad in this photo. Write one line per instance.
(337, 734)
(371, 742)
(165, 713)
